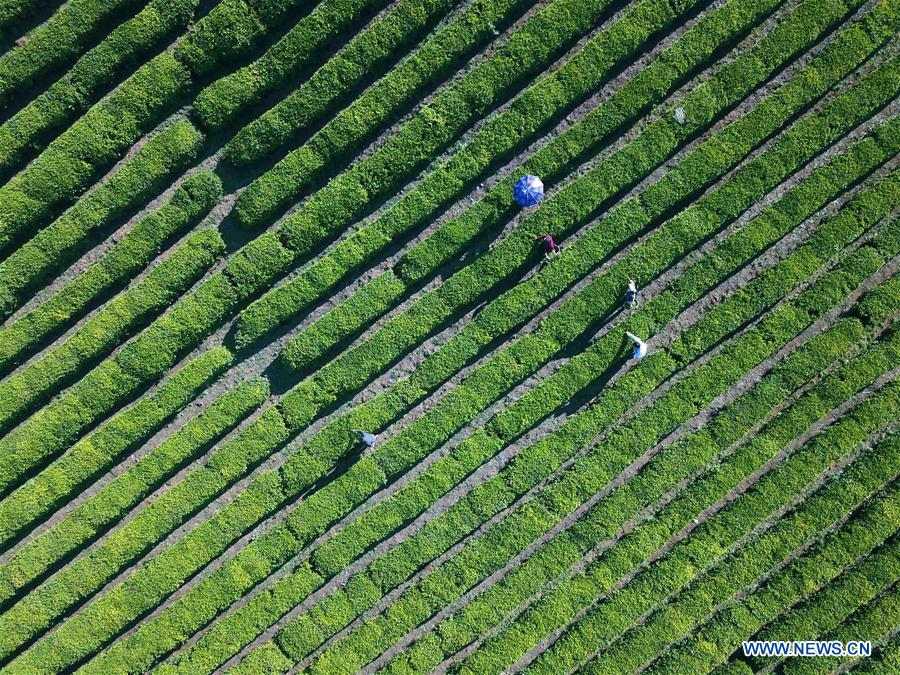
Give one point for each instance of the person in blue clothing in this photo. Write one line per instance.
(640, 347)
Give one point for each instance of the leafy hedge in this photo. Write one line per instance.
(102, 66)
(757, 557)
(13, 13)
(89, 520)
(485, 555)
(525, 116)
(221, 103)
(321, 509)
(690, 557)
(154, 166)
(831, 605)
(672, 464)
(829, 567)
(191, 201)
(529, 50)
(680, 460)
(153, 351)
(68, 33)
(366, 531)
(579, 200)
(89, 147)
(688, 608)
(124, 432)
(877, 621)
(103, 332)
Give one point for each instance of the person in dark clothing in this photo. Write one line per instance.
(549, 246)
(631, 298)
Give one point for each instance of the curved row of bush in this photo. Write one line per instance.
(579, 200)
(436, 57)
(127, 44)
(191, 201)
(221, 103)
(91, 145)
(48, 490)
(68, 33)
(488, 383)
(643, 641)
(825, 610)
(484, 556)
(123, 432)
(534, 464)
(830, 565)
(256, 451)
(102, 333)
(555, 609)
(671, 465)
(153, 167)
(508, 425)
(361, 59)
(304, 467)
(525, 116)
(101, 511)
(13, 13)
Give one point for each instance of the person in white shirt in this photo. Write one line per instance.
(640, 347)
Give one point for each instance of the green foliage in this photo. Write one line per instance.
(90, 146)
(521, 121)
(97, 451)
(586, 477)
(315, 515)
(437, 125)
(138, 180)
(107, 329)
(221, 103)
(681, 459)
(228, 32)
(68, 33)
(126, 46)
(823, 567)
(101, 511)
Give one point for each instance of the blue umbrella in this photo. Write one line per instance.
(528, 190)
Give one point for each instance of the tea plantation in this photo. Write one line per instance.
(318, 353)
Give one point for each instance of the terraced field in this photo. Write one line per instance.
(235, 232)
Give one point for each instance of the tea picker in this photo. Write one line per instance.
(549, 246)
(367, 438)
(631, 294)
(640, 347)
